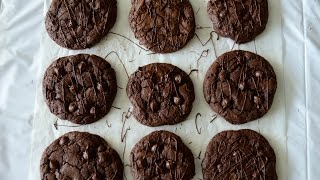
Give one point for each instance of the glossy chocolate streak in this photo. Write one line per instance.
(241, 20)
(240, 86)
(80, 88)
(163, 26)
(243, 154)
(79, 24)
(162, 155)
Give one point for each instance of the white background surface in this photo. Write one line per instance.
(272, 125)
(20, 27)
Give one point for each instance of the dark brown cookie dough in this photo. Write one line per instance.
(80, 88)
(243, 154)
(162, 155)
(79, 24)
(241, 20)
(161, 94)
(80, 155)
(162, 26)
(240, 86)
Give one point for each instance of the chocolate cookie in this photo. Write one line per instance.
(241, 20)
(80, 88)
(80, 24)
(161, 94)
(162, 26)
(240, 86)
(80, 155)
(162, 155)
(243, 154)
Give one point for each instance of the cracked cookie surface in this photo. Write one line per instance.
(80, 155)
(243, 154)
(241, 20)
(80, 88)
(240, 86)
(79, 24)
(162, 155)
(161, 94)
(163, 26)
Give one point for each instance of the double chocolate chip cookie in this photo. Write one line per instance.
(243, 154)
(161, 94)
(240, 86)
(162, 155)
(163, 26)
(80, 155)
(80, 88)
(241, 20)
(79, 24)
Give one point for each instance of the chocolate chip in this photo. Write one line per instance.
(154, 106)
(241, 85)
(81, 65)
(257, 100)
(178, 78)
(93, 110)
(154, 148)
(85, 155)
(54, 164)
(177, 100)
(73, 107)
(258, 74)
(169, 164)
(219, 167)
(64, 140)
(95, 177)
(57, 70)
(99, 87)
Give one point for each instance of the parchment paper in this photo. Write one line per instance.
(46, 126)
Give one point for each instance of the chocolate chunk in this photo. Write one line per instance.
(162, 26)
(246, 93)
(240, 20)
(230, 155)
(157, 97)
(78, 158)
(72, 94)
(80, 24)
(162, 155)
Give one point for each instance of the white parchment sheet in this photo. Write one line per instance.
(194, 56)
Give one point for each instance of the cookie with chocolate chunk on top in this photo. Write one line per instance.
(80, 155)
(240, 20)
(162, 155)
(240, 86)
(80, 88)
(161, 94)
(242, 154)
